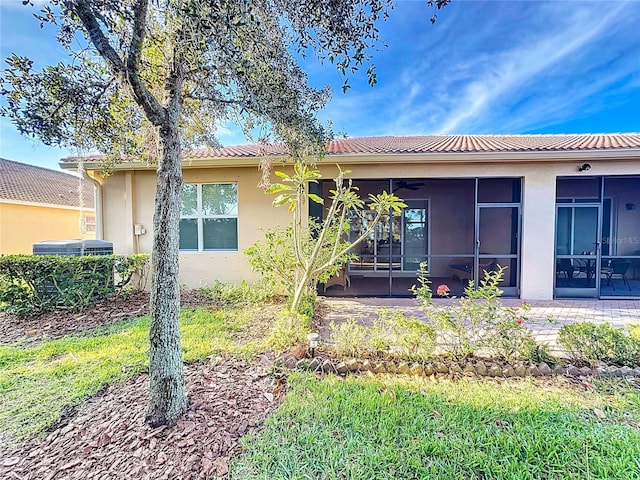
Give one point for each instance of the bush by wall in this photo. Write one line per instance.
(39, 283)
(590, 343)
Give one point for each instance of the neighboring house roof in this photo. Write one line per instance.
(427, 144)
(28, 183)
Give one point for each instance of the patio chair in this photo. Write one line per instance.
(619, 269)
(564, 265)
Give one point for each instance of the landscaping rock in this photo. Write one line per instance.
(440, 367)
(366, 366)
(534, 370)
(327, 367)
(455, 368)
(520, 370)
(302, 364)
(379, 368)
(481, 369)
(573, 371)
(291, 362)
(508, 372)
(626, 372)
(353, 365)
(636, 372)
(586, 372)
(614, 371)
(469, 370)
(494, 371)
(404, 368)
(417, 370)
(558, 370)
(315, 364)
(341, 368)
(545, 369)
(280, 361)
(391, 367)
(429, 370)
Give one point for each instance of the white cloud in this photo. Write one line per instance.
(511, 72)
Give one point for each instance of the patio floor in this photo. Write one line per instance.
(617, 313)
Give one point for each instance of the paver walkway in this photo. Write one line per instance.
(618, 313)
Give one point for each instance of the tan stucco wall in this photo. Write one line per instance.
(22, 225)
(129, 198)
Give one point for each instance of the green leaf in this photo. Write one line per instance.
(316, 198)
(282, 175)
(281, 199)
(276, 188)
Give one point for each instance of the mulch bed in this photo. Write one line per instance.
(60, 323)
(107, 438)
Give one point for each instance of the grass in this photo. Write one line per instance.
(37, 384)
(401, 428)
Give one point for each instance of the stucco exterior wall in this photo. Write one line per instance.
(21, 225)
(129, 199)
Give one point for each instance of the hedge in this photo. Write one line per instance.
(40, 283)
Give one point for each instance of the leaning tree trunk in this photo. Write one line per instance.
(167, 400)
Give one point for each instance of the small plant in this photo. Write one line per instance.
(238, 294)
(393, 334)
(590, 343)
(414, 338)
(290, 328)
(349, 337)
(479, 321)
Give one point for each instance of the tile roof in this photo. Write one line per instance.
(28, 183)
(445, 144)
(425, 144)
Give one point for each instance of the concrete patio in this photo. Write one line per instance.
(617, 313)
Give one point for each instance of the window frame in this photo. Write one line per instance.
(200, 217)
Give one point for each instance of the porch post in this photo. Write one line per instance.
(538, 234)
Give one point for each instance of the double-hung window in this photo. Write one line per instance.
(209, 217)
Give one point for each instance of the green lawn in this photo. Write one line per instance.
(37, 384)
(401, 428)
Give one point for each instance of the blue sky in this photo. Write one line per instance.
(484, 67)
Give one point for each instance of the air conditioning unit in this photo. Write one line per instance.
(73, 247)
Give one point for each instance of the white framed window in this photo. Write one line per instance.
(209, 217)
(88, 223)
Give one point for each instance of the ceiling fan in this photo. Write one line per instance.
(404, 185)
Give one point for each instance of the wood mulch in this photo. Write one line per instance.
(60, 323)
(108, 438)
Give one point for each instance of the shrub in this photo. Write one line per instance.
(35, 283)
(307, 305)
(238, 294)
(392, 334)
(349, 337)
(590, 343)
(479, 321)
(289, 329)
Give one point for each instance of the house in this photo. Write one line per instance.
(38, 204)
(561, 212)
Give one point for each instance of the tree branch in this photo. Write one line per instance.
(128, 73)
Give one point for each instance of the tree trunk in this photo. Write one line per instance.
(167, 400)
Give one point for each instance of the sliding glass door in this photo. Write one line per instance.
(597, 237)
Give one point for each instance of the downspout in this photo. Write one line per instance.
(98, 193)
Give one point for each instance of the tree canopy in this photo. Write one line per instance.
(149, 79)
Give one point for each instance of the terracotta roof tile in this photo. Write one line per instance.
(28, 183)
(425, 144)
